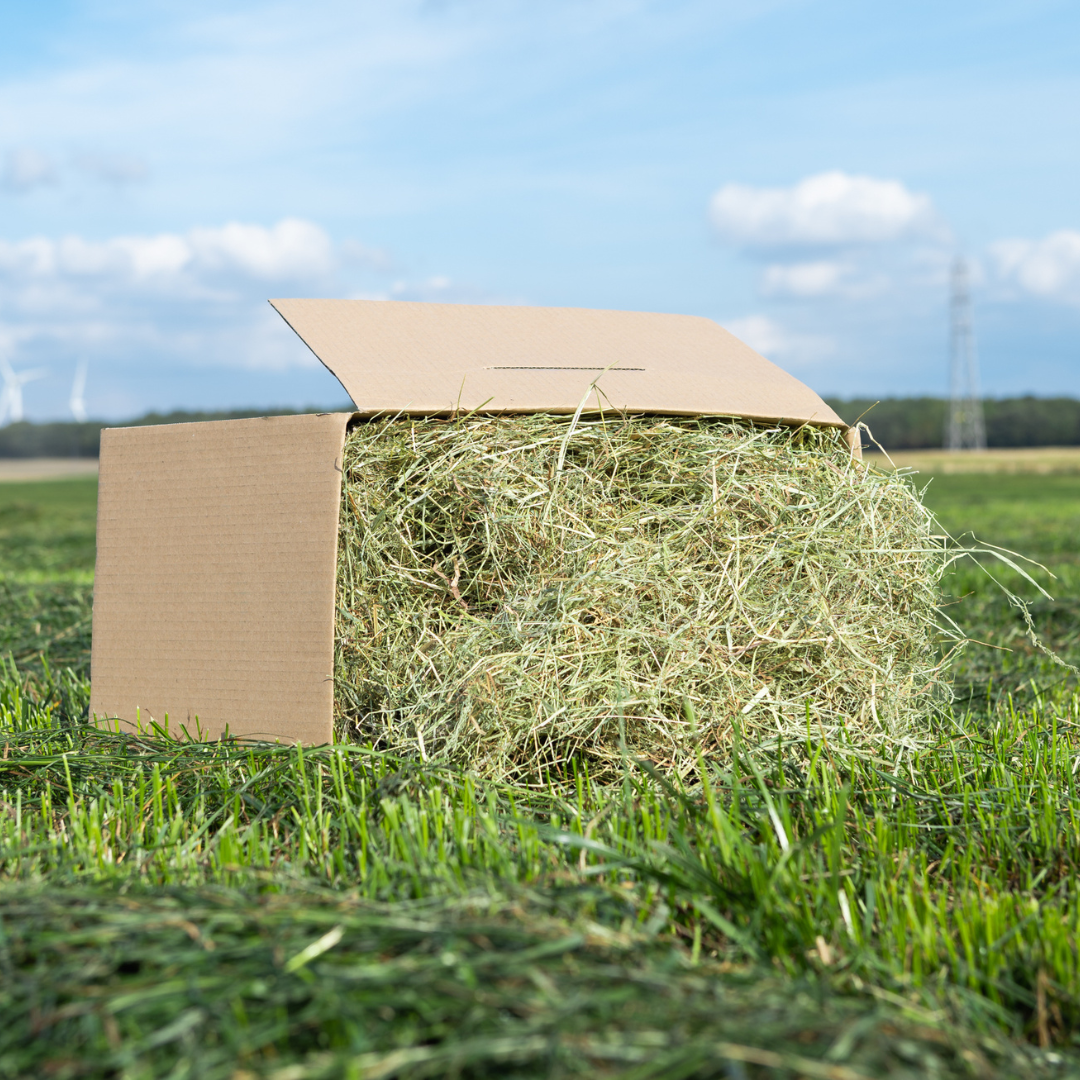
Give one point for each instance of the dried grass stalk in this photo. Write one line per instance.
(515, 592)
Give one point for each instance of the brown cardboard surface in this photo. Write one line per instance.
(434, 358)
(214, 587)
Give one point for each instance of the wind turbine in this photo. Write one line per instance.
(76, 402)
(11, 400)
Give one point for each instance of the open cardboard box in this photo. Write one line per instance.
(214, 590)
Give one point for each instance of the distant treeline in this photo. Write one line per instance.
(919, 423)
(26, 440)
(897, 424)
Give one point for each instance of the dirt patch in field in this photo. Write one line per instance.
(1038, 460)
(46, 468)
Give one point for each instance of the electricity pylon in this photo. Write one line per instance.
(965, 429)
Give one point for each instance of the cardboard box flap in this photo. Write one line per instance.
(215, 580)
(434, 358)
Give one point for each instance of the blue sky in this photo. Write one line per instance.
(802, 172)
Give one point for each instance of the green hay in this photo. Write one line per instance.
(518, 592)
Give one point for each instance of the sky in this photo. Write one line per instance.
(804, 173)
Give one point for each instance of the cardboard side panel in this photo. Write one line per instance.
(432, 358)
(215, 581)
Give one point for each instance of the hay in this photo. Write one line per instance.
(517, 592)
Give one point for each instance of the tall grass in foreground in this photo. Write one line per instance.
(276, 903)
(46, 571)
(207, 910)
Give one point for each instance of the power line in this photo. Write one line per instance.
(965, 429)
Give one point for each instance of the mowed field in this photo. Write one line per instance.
(241, 910)
(1028, 460)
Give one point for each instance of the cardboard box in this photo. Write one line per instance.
(214, 589)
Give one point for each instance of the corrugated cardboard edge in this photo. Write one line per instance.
(215, 581)
(435, 359)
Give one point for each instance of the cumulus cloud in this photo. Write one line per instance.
(441, 290)
(438, 289)
(831, 236)
(292, 249)
(831, 209)
(852, 279)
(26, 168)
(175, 302)
(804, 279)
(181, 300)
(1047, 268)
(777, 343)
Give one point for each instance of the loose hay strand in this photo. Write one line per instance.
(515, 591)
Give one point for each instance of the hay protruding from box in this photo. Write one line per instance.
(518, 592)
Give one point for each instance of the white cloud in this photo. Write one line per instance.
(435, 290)
(292, 249)
(181, 302)
(854, 279)
(804, 279)
(778, 344)
(1047, 268)
(438, 290)
(192, 299)
(26, 168)
(831, 208)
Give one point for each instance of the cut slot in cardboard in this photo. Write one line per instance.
(214, 589)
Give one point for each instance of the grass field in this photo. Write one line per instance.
(240, 911)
